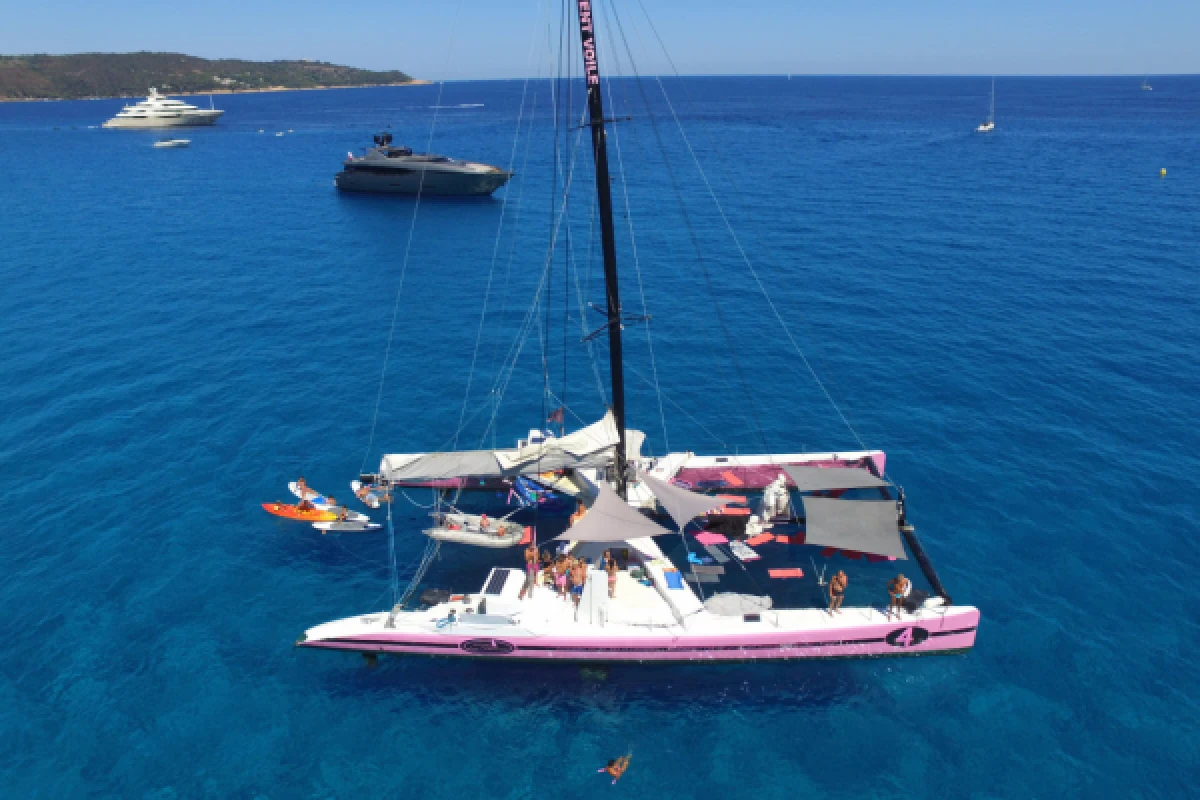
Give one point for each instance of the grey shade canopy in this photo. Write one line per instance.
(868, 526)
(681, 504)
(611, 519)
(820, 479)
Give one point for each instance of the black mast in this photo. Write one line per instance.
(587, 38)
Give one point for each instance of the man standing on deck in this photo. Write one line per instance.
(531, 570)
(837, 590)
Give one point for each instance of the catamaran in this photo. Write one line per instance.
(657, 610)
(990, 124)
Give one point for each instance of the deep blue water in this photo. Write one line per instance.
(1013, 318)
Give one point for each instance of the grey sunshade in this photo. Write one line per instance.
(868, 526)
(611, 519)
(820, 479)
(681, 504)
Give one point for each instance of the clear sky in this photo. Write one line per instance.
(474, 39)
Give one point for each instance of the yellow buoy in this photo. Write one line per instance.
(1163, 172)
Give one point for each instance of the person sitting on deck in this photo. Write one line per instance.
(342, 513)
(531, 571)
(302, 488)
(616, 767)
(898, 589)
(304, 505)
(837, 591)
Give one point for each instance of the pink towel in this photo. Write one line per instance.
(708, 537)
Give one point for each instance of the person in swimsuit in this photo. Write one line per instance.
(611, 568)
(578, 515)
(837, 588)
(531, 571)
(897, 590)
(578, 578)
(616, 767)
(560, 576)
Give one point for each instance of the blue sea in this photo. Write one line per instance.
(1011, 317)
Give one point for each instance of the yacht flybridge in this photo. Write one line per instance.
(660, 608)
(157, 111)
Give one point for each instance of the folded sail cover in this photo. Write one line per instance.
(821, 479)
(611, 519)
(588, 447)
(868, 526)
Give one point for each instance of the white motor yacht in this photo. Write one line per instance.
(157, 111)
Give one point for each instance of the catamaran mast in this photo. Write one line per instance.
(587, 38)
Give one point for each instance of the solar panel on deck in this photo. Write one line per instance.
(715, 551)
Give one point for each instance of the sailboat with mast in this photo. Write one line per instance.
(652, 612)
(990, 124)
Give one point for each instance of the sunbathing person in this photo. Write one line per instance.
(616, 767)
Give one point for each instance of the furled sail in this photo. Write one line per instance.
(587, 447)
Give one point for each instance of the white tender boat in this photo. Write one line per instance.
(157, 111)
(173, 143)
(474, 529)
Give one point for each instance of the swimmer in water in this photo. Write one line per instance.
(616, 767)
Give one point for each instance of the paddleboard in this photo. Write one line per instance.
(371, 499)
(292, 512)
(346, 527)
(310, 494)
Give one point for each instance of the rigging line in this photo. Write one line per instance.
(412, 227)
(662, 415)
(704, 271)
(667, 397)
(512, 157)
(737, 242)
(519, 343)
(567, 257)
(580, 295)
(513, 243)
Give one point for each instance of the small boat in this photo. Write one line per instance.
(476, 529)
(990, 125)
(1146, 87)
(292, 511)
(173, 143)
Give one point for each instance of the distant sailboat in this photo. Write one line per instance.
(990, 125)
(1146, 87)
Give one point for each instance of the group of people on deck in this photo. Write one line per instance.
(898, 589)
(565, 574)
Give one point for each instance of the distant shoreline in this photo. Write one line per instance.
(216, 91)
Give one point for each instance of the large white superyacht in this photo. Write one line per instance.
(158, 111)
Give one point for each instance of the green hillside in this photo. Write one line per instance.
(130, 74)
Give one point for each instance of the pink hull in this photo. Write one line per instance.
(937, 635)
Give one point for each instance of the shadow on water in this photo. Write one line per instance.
(575, 687)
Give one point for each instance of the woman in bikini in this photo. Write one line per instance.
(897, 590)
(560, 576)
(611, 568)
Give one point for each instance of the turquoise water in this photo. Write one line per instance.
(1011, 317)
